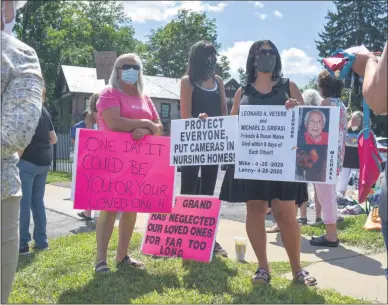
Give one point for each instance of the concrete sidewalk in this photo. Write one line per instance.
(345, 269)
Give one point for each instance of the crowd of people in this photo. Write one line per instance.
(28, 133)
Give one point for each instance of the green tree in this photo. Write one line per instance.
(355, 23)
(225, 67)
(67, 33)
(168, 46)
(312, 84)
(241, 75)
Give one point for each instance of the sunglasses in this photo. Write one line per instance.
(266, 52)
(128, 66)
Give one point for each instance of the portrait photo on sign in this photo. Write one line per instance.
(313, 128)
(310, 163)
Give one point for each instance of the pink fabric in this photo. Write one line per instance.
(131, 107)
(327, 198)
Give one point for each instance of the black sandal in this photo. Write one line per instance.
(82, 215)
(132, 262)
(101, 267)
(261, 276)
(302, 277)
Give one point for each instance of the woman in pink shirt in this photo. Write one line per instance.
(123, 107)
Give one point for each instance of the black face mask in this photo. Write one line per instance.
(265, 63)
(210, 67)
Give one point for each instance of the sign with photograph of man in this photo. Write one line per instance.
(315, 125)
(276, 144)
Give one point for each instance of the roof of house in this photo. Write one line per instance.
(84, 80)
(233, 82)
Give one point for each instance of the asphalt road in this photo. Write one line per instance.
(230, 211)
(61, 225)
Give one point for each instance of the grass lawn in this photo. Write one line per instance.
(54, 177)
(65, 274)
(351, 232)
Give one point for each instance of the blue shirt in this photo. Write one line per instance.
(81, 124)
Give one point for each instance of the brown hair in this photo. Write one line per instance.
(92, 102)
(329, 85)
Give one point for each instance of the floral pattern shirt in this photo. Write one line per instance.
(342, 131)
(21, 107)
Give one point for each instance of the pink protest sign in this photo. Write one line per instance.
(116, 173)
(188, 232)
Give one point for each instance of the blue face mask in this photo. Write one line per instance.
(130, 76)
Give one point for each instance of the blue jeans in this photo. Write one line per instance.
(33, 178)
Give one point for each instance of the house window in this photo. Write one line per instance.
(165, 111)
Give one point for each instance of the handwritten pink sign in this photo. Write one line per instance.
(188, 232)
(116, 173)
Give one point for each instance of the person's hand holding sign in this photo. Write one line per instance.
(203, 116)
(292, 103)
(139, 133)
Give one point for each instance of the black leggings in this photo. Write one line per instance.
(191, 185)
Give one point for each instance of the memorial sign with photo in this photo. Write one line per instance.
(209, 141)
(276, 144)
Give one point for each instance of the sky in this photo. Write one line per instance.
(291, 25)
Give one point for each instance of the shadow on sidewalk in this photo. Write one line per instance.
(86, 227)
(341, 257)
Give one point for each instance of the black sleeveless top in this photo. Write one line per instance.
(241, 190)
(278, 96)
(205, 101)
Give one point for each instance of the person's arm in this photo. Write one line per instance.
(155, 116)
(236, 102)
(21, 105)
(116, 122)
(185, 96)
(224, 106)
(90, 120)
(295, 93)
(374, 86)
(53, 137)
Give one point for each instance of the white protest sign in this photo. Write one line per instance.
(209, 141)
(296, 145)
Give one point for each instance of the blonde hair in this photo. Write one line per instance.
(113, 81)
(92, 102)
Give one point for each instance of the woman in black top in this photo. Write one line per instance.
(202, 96)
(265, 86)
(34, 165)
(351, 159)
